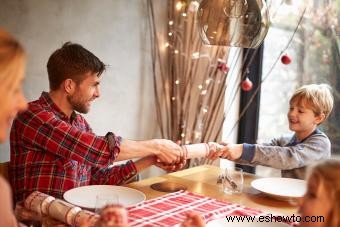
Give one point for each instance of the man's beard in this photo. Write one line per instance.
(78, 104)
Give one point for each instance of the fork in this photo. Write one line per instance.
(231, 182)
(219, 178)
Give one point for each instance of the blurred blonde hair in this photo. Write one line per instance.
(318, 97)
(327, 174)
(12, 65)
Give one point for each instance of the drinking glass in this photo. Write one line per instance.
(232, 180)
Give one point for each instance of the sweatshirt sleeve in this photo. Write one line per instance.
(314, 148)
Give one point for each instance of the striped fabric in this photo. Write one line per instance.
(53, 153)
(170, 209)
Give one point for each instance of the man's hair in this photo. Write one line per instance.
(317, 97)
(72, 61)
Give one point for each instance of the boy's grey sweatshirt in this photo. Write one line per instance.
(288, 154)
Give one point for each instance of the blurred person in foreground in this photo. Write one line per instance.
(12, 68)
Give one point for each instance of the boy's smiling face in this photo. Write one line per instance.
(302, 119)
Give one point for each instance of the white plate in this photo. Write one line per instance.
(222, 222)
(281, 188)
(85, 196)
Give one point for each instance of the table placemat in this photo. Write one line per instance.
(170, 209)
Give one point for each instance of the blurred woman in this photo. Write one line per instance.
(322, 199)
(12, 67)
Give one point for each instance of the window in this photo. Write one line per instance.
(314, 52)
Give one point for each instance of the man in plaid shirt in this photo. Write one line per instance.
(53, 149)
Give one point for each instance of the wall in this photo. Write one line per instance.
(116, 31)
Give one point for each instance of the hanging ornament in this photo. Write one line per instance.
(223, 67)
(238, 23)
(285, 59)
(246, 85)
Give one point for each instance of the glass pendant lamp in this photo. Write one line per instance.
(238, 23)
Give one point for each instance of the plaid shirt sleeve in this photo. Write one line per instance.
(115, 175)
(46, 132)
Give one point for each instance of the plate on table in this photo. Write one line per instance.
(85, 196)
(223, 222)
(281, 188)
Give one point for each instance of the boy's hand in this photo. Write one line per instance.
(232, 151)
(215, 150)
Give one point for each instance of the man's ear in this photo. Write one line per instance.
(69, 86)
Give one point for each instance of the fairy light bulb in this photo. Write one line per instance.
(179, 5)
(193, 7)
(196, 55)
(197, 134)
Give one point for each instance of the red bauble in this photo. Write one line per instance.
(223, 67)
(246, 85)
(285, 59)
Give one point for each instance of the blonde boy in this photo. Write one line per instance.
(310, 105)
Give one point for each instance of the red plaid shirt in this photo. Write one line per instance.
(52, 153)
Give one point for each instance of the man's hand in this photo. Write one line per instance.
(167, 151)
(232, 151)
(173, 167)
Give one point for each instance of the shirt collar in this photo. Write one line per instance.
(295, 141)
(46, 100)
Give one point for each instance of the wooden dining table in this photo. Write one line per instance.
(203, 180)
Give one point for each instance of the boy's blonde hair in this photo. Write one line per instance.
(318, 97)
(327, 173)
